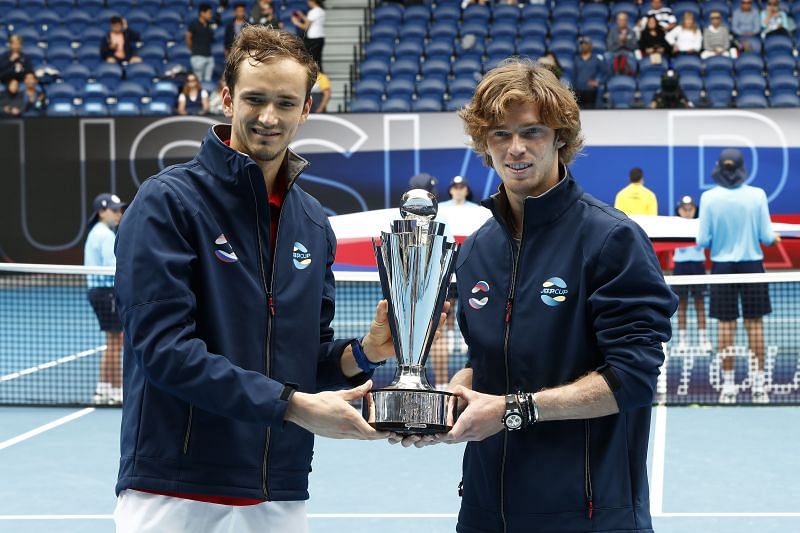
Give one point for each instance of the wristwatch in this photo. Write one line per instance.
(512, 419)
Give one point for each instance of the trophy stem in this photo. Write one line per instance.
(410, 377)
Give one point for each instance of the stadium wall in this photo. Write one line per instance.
(53, 167)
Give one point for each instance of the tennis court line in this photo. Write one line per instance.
(50, 364)
(46, 427)
(659, 450)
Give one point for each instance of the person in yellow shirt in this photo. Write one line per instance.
(636, 199)
(320, 93)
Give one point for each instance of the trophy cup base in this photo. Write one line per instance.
(411, 411)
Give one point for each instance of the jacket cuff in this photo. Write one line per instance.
(630, 390)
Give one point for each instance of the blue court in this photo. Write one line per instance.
(715, 470)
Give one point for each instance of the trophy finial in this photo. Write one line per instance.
(419, 204)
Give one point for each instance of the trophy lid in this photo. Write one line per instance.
(419, 204)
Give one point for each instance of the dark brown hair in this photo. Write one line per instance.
(260, 44)
(636, 175)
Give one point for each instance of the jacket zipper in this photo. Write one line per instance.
(509, 307)
(188, 431)
(587, 482)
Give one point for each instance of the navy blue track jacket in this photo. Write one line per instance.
(214, 328)
(585, 294)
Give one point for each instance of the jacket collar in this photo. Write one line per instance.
(227, 164)
(539, 210)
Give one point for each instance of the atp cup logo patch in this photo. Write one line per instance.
(554, 291)
(224, 251)
(300, 256)
(479, 288)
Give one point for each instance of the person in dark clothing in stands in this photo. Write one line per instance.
(589, 74)
(236, 24)
(119, 44)
(199, 38)
(14, 63)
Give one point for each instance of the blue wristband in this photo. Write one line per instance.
(363, 363)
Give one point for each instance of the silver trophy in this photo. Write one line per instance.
(415, 263)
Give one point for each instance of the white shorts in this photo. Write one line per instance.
(142, 512)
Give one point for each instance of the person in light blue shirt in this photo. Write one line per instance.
(734, 220)
(99, 252)
(689, 261)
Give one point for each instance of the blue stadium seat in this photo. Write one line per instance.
(378, 50)
(126, 109)
(533, 29)
(123, 7)
(33, 7)
(750, 84)
(47, 19)
(400, 88)
(716, 5)
(476, 13)
(692, 85)
(785, 100)
(34, 53)
(396, 105)
(157, 36)
(405, 69)
(169, 21)
(413, 30)
(687, 64)
(109, 74)
(61, 109)
(141, 74)
(646, 66)
(418, 14)
(783, 83)
(435, 68)
(384, 32)
(752, 100)
(596, 12)
(446, 13)
(16, 19)
(445, 30)
(464, 67)
(93, 7)
(388, 13)
(59, 37)
(630, 8)
(716, 64)
(567, 29)
(454, 104)
(76, 75)
(438, 50)
(595, 29)
(165, 92)
(138, 19)
(29, 34)
(535, 12)
(478, 29)
(128, 91)
(77, 20)
(88, 55)
(475, 51)
(719, 88)
(462, 87)
(565, 11)
(679, 8)
(778, 44)
(503, 29)
(7, 5)
(95, 92)
(501, 48)
(506, 13)
(648, 85)
(365, 105)
(749, 64)
(410, 49)
(91, 36)
(106, 13)
(61, 93)
(533, 48)
(426, 105)
(150, 6)
(564, 46)
(781, 64)
(158, 108)
(621, 91)
(179, 54)
(431, 88)
(367, 88)
(152, 55)
(374, 69)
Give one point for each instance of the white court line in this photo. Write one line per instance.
(55, 362)
(659, 449)
(47, 427)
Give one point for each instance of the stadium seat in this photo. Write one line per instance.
(687, 64)
(438, 50)
(783, 83)
(158, 108)
(500, 48)
(533, 29)
(692, 85)
(93, 7)
(365, 105)
(29, 34)
(152, 55)
(61, 109)
(413, 30)
(33, 7)
(141, 74)
(95, 92)
(417, 14)
(478, 29)
(648, 85)
(123, 7)
(379, 50)
(374, 69)
(431, 88)
(109, 74)
(169, 21)
(462, 88)
(503, 29)
(751, 100)
(646, 66)
(594, 29)
(785, 100)
(465, 67)
(781, 64)
(408, 50)
(76, 75)
(149, 6)
(91, 36)
(717, 64)
(165, 92)
(77, 20)
(565, 11)
(444, 31)
(778, 44)
(59, 37)
(399, 88)
(388, 13)
(61, 93)
(450, 13)
(474, 51)
(7, 5)
(564, 46)
(749, 64)
(535, 12)
(128, 91)
(679, 8)
(750, 84)
(476, 13)
(454, 104)
(566, 29)
(621, 91)
(157, 36)
(532, 48)
(16, 19)
(47, 20)
(426, 105)
(505, 13)
(124, 109)
(396, 105)
(716, 5)
(405, 69)
(179, 54)
(719, 88)
(34, 53)
(367, 88)
(88, 55)
(138, 19)
(596, 12)
(630, 8)
(435, 68)
(384, 32)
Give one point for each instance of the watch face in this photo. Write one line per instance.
(513, 421)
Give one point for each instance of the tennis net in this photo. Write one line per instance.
(52, 349)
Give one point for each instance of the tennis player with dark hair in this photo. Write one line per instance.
(226, 292)
(564, 308)
(734, 220)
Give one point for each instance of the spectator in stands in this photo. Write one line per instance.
(775, 21)
(14, 63)
(663, 14)
(320, 93)
(589, 74)
(215, 98)
(34, 96)
(193, 99)
(263, 13)
(236, 24)
(686, 38)
(313, 24)
(669, 94)
(746, 22)
(621, 37)
(550, 61)
(99, 252)
(199, 38)
(690, 261)
(119, 44)
(716, 38)
(12, 102)
(635, 198)
(653, 42)
(734, 220)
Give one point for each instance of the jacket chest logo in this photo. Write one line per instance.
(478, 302)
(554, 291)
(224, 251)
(301, 257)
